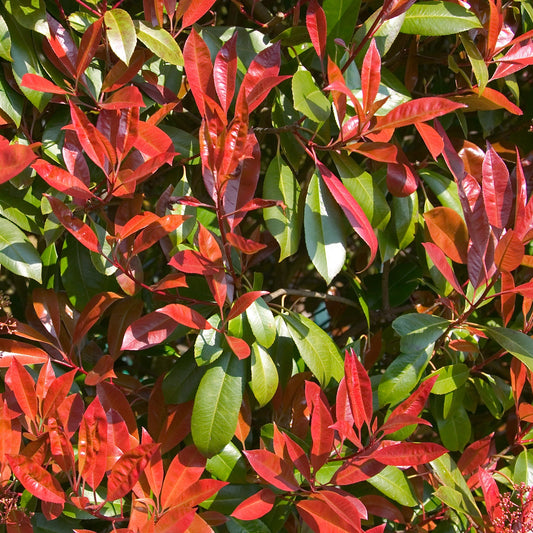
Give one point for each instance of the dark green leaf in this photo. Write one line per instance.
(419, 331)
(341, 17)
(228, 465)
(515, 342)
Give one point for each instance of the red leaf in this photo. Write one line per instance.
(359, 390)
(177, 518)
(62, 180)
(401, 181)
(497, 99)
(92, 444)
(200, 491)
(103, 369)
(156, 231)
(491, 495)
(184, 470)
(322, 434)
(199, 69)
(407, 453)
(370, 76)
(396, 423)
(379, 506)
(260, 91)
(243, 302)
(272, 469)
(40, 84)
(127, 470)
(246, 246)
(56, 393)
(524, 209)
(14, 158)
(315, 21)
(322, 518)
(95, 144)
(36, 480)
(265, 65)
(225, 72)
(519, 56)
(63, 47)
(74, 158)
(439, 260)
(124, 98)
(20, 382)
(255, 506)
(81, 231)
(497, 190)
(509, 252)
(25, 354)
(297, 456)
(351, 209)
(418, 110)
(416, 401)
(377, 151)
(192, 262)
(137, 223)
(431, 138)
(121, 73)
(193, 11)
(112, 397)
(449, 232)
(507, 300)
(88, 45)
(346, 506)
(238, 346)
(476, 454)
(91, 313)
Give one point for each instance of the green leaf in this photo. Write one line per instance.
(11, 102)
(228, 497)
(284, 224)
(515, 342)
(247, 526)
(393, 483)
(17, 254)
(495, 393)
(5, 41)
(324, 230)
(185, 144)
(208, 344)
(30, 14)
(262, 322)
(316, 348)
(25, 60)
(228, 465)
(341, 18)
(438, 18)
(455, 430)
(160, 42)
(479, 67)
(443, 188)
(418, 331)
(451, 377)
(402, 376)
(308, 98)
(523, 468)
(265, 378)
(364, 188)
(120, 33)
(76, 265)
(181, 383)
(217, 404)
(404, 219)
(385, 35)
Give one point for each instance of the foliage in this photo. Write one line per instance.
(266, 266)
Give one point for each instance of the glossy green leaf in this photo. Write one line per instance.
(284, 224)
(30, 14)
(419, 331)
(451, 377)
(76, 265)
(479, 67)
(25, 60)
(120, 33)
(208, 344)
(438, 18)
(11, 102)
(495, 393)
(455, 430)
(217, 404)
(385, 35)
(364, 189)
(515, 342)
(404, 219)
(324, 230)
(181, 383)
(523, 468)
(402, 376)
(341, 18)
(445, 189)
(265, 378)
(262, 322)
(316, 348)
(17, 254)
(5, 41)
(228, 465)
(247, 526)
(393, 483)
(160, 42)
(308, 98)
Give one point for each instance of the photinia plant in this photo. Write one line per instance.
(265, 266)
